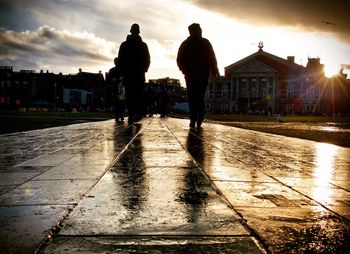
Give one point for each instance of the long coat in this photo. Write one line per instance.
(196, 57)
(133, 58)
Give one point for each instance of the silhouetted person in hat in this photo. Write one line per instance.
(196, 59)
(115, 79)
(134, 61)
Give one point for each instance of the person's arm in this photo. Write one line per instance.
(213, 66)
(147, 58)
(180, 58)
(121, 58)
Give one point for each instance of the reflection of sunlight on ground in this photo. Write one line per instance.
(324, 160)
(329, 129)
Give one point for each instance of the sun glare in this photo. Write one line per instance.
(325, 166)
(330, 70)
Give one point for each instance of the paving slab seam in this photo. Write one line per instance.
(156, 235)
(286, 185)
(55, 141)
(56, 229)
(67, 146)
(293, 189)
(52, 152)
(260, 242)
(31, 179)
(319, 203)
(19, 184)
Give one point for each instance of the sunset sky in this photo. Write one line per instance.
(65, 35)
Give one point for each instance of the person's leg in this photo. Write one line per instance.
(203, 83)
(191, 96)
(129, 100)
(138, 100)
(122, 109)
(115, 103)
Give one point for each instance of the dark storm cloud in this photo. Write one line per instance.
(310, 15)
(107, 19)
(50, 45)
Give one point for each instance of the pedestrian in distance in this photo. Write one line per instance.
(163, 101)
(196, 59)
(149, 101)
(134, 61)
(118, 91)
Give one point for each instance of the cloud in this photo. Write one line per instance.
(104, 18)
(310, 15)
(48, 46)
(345, 66)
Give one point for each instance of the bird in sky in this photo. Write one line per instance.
(327, 22)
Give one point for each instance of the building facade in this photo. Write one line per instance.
(263, 83)
(28, 89)
(258, 84)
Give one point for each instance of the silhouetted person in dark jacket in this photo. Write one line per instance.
(114, 78)
(196, 59)
(163, 101)
(134, 61)
(149, 100)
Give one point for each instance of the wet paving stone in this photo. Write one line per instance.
(299, 230)
(341, 184)
(257, 194)
(227, 173)
(17, 177)
(47, 160)
(6, 188)
(23, 228)
(152, 244)
(47, 192)
(157, 186)
(73, 172)
(135, 199)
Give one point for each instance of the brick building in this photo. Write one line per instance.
(31, 89)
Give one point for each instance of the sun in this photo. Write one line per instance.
(331, 70)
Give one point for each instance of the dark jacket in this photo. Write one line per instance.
(113, 76)
(196, 57)
(133, 58)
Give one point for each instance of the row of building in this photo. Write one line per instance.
(260, 83)
(84, 91)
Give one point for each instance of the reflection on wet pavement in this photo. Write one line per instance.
(293, 193)
(159, 187)
(45, 173)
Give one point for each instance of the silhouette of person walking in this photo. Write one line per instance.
(134, 61)
(196, 59)
(114, 78)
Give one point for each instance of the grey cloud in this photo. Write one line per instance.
(107, 19)
(49, 45)
(311, 15)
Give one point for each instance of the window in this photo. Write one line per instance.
(243, 92)
(312, 93)
(254, 92)
(290, 92)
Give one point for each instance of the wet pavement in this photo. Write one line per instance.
(158, 187)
